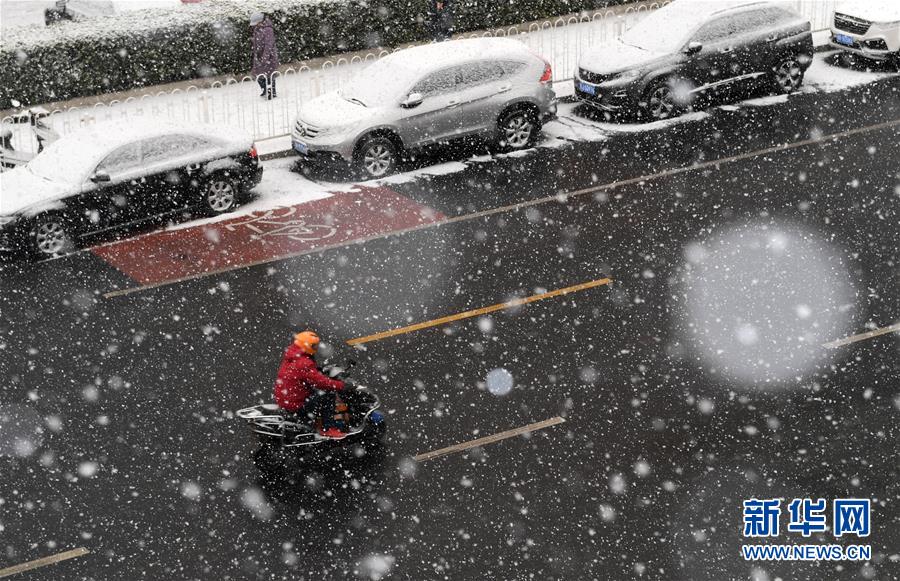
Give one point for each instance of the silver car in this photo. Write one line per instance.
(490, 87)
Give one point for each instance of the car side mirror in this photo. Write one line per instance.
(413, 100)
(100, 177)
(693, 48)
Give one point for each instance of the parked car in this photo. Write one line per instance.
(868, 28)
(690, 47)
(108, 175)
(493, 87)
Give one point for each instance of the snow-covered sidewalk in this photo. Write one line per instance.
(237, 103)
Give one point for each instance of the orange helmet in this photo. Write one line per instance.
(307, 341)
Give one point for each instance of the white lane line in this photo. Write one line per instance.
(489, 439)
(43, 562)
(895, 328)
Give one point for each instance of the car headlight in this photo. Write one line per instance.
(629, 75)
(335, 130)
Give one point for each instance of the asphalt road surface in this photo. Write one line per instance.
(736, 244)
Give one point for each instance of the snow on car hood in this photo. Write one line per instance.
(23, 192)
(616, 57)
(874, 10)
(332, 110)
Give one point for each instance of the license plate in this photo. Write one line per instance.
(585, 88)
(844, 39)
(301, 148)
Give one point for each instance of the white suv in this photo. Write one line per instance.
(434, 93)
(869, 28)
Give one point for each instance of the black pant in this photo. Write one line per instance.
(320, 404)
(267, 86)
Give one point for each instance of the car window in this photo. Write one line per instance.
(482, 72)
(124, 159)
(439, 82)
(511, 68)
(719, 30)
(479, 73)
(761, 18)
(166, 147)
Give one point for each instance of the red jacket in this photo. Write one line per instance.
(298, 377)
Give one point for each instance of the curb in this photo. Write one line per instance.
(276, 155)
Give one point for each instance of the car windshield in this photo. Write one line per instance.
(664, 30)
(381, 83)
(67, 161)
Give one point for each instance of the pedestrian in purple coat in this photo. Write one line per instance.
(265, 54)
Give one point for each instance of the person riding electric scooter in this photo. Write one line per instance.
(301, 388)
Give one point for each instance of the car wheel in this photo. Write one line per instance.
(51, 236)
(659, 101)
(220, 195)
(787, 75)
(377, 157)
(518, 129)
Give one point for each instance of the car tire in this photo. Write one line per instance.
(220, 195)
(517, 129)
(51, 236)
(658, 102)
(787, 75)
(377, 157)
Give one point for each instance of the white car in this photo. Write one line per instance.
(434, 93)
(869, 28)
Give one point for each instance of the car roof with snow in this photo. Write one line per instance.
(107, 135)
(75, 153)
(398, 70)
(90, 144)
(440, 54)
(695, 11)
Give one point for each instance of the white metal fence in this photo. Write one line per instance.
(237, 103)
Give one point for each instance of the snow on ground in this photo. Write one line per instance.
(23, 12)
(825, 77)
(561, 41)
(280, 187)
(428, 171)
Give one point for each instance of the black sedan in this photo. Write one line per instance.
(111, 175)
(688, 48)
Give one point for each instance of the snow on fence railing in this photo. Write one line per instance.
(236, 102)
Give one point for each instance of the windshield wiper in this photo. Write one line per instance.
(357, 101)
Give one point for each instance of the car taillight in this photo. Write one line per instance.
(253, 153)
(548, 73)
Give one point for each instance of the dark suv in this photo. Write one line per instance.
(690, 47)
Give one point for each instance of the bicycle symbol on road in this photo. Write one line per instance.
(283, 223)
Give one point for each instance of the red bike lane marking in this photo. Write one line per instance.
(263, 236)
